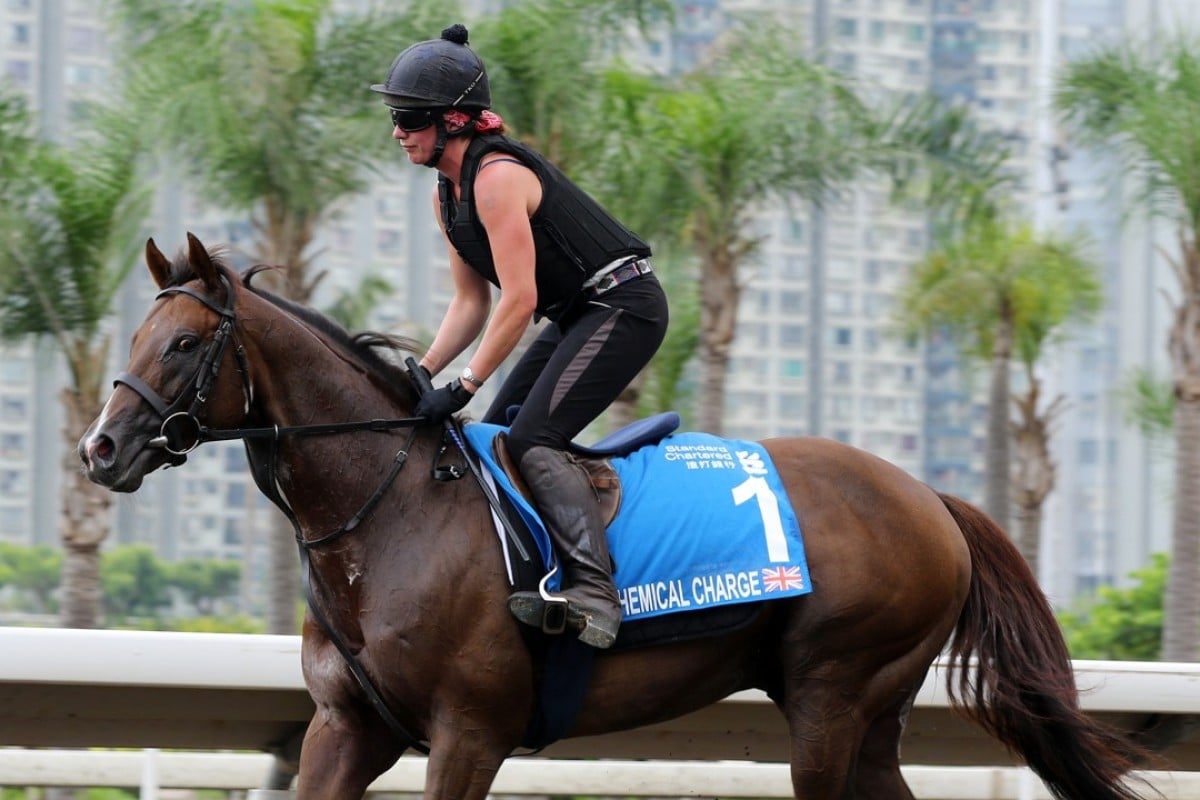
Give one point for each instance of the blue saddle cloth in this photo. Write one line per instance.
(704, 522)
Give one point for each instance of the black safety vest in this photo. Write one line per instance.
(573, 235)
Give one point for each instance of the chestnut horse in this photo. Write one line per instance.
(411, 585)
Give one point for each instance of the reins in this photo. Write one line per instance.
(181, 432)
(195, 433)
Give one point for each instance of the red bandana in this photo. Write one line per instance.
(488, 121)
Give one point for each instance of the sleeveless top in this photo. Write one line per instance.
(573, 236)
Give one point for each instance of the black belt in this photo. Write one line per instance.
(622, 274)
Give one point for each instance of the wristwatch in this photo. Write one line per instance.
(469, 377)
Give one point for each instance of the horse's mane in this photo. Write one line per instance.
(365, 346)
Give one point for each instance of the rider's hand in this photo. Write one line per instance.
(438, 405)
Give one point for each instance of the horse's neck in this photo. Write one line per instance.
(298, 378)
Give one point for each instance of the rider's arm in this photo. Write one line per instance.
(466, 314)
(506, 195)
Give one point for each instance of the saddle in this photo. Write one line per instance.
(597, 458)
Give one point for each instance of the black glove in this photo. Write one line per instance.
(438, 405)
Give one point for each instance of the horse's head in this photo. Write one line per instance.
(182, 373)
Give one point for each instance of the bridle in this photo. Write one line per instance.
(181, 431)
(190, 433)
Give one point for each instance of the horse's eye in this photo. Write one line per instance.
(186, 344)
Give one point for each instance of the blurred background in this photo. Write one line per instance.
(920, 227)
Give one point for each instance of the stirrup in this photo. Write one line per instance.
(552, 615)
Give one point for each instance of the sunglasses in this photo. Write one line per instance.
(411, 120)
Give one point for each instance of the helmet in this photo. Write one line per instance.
(438, 73)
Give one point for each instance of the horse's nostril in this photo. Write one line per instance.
(102, 451)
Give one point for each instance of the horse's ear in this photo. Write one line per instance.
(202, 263)
(160, 267)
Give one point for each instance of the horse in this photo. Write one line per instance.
(408, 643)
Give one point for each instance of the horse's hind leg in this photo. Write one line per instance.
(825, 732)
(877, 775)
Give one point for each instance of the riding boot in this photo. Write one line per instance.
(563, 494)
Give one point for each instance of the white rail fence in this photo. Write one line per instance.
(199, 693)
(153, 770)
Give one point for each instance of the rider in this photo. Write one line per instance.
(512, 219)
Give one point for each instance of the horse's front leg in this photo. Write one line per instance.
(462, 766)
(342, 754)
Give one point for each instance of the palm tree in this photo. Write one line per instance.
(68, 234)
(549, 63)
(266, 106)
(352, 307)
(1002, 290)
(756, 124)
(1141, 102)
(1067, 291)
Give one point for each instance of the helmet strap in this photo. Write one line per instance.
(440, 146)
(443, 136)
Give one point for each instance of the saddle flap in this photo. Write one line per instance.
(600, 470)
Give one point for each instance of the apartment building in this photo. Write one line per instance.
(815, 351)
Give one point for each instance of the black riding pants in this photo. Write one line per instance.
(571, 374)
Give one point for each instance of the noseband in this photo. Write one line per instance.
(181, 430)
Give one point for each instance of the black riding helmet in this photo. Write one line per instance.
(438, 74)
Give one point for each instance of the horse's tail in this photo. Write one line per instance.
(1012, 674)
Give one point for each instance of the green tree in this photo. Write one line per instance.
(548, 64)
(205, 581)
(353, 307)
(1138, 101)
(1064, 292)
(69, 220)
(1002, 290)
(1121, 624)
(756, 123)
(939, 158)
(135, 582)
(35, 571)
(1148, 402)
(270, 114)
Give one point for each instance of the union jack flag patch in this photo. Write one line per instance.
(781, 579)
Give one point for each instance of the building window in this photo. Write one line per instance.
(84, 40)
(12, 446)
(792, 303)
(792, 335)
(389, 242)
(793, 406)
(839, 303)
(12, 522)
(390, 205)
(14, 409)
(794, 267)
(14, 371)
(19, 72)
